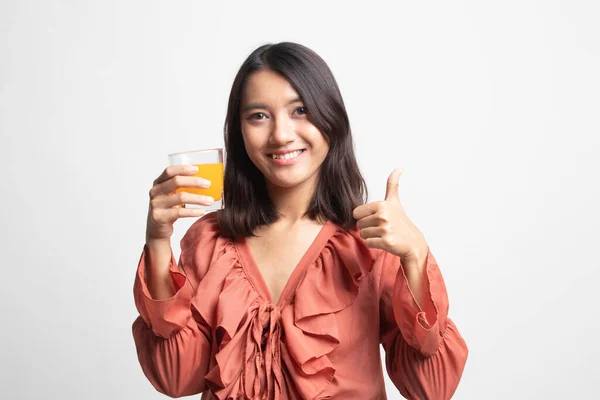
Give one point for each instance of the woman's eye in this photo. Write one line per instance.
(301, 111)
(257, 116)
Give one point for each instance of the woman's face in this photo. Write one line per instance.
(278, 135)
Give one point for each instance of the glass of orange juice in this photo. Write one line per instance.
(210, 167)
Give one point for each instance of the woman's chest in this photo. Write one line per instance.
(276, 260)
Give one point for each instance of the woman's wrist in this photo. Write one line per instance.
(416, 259)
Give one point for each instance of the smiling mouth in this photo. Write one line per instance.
(286, 156)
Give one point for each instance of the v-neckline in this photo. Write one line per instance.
(257, 279)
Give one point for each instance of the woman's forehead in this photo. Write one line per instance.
(269, 88)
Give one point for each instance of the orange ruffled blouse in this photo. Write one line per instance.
(222, 335)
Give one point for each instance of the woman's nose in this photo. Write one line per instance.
(282, 132)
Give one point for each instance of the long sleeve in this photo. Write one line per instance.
(173, 348)
(425, 356)
(173, 341)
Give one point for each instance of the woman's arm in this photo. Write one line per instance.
(173, 345)
(425, 353)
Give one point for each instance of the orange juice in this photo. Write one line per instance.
(213, 173)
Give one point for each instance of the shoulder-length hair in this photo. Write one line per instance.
(340, 187)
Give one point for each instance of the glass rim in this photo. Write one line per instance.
(196, 151)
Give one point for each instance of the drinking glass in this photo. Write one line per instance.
(210, 167)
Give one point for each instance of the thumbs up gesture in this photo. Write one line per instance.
(384, 224)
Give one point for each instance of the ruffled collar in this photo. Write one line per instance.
(256, 279)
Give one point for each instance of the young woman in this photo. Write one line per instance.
(288, 291)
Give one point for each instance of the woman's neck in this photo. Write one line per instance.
(292, 203)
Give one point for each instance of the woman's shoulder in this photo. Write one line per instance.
(206, 225)
(203, 242)
(349, 240)
(347, 248)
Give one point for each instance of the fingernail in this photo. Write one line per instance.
(193, 169)
(211, 199)
(206, 183)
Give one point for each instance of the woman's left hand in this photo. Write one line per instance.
(384, 225)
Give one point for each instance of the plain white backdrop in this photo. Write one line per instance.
(492, 108)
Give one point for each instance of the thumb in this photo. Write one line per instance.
(391, 192)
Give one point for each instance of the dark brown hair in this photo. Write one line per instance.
(340, 187)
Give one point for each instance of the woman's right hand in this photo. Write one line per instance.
(166, 206)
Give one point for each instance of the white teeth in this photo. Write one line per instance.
(287, 156)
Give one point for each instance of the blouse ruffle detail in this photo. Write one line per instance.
(250, 328)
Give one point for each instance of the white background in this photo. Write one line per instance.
(491, 108)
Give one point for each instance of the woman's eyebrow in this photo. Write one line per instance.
(254, 106)
(259, 106)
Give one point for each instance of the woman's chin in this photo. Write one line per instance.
(284, 184)
(287, 182)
